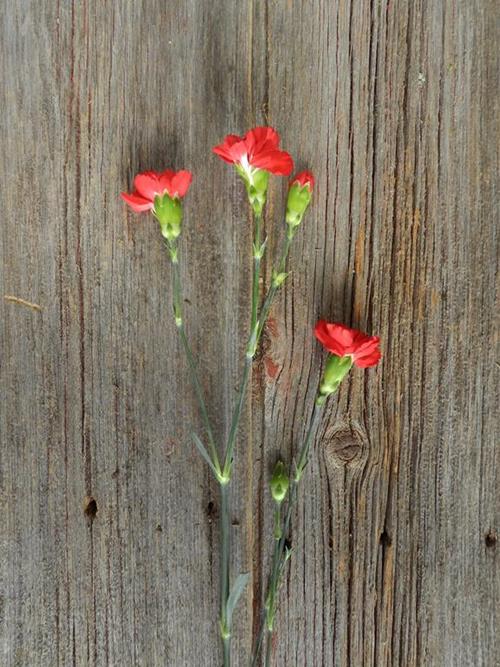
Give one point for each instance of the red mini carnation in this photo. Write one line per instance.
(344, 342)
(257, 149)
(150, 184)
(302, 179)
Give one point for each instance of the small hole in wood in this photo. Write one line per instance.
(90, 507)
(211, 511)
(490, 539)
(385, 539)
(159, 529)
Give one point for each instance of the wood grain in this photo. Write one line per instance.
(108, 544)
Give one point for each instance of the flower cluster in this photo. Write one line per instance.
(255, 156)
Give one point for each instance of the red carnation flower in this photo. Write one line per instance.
(302, 179)
(344, 342)
(258, 149)
(151, 184)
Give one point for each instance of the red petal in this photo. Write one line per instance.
(224, 151)
(147, 184)
(180, 183)
(304, 178)
(369, 360)
(262, 138)
(277, 162)
(136, 202)
(325, 333)
(165, 181)
(232, 139)
(367, 352)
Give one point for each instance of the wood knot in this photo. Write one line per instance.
(344, 445)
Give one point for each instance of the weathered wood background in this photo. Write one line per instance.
(392, 104)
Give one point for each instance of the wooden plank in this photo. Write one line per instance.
(108, 548)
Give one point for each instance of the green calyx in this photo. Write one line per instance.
(299, 198)
(335, 371)
(168, 211)
(279, 482)
(256, 182)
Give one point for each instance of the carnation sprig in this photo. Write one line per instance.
(346, 347)
(255, 156)
(162, 193)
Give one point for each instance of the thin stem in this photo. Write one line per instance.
(269, 648)
(257, 256)
(251, 347)
(279, 555)
(271, 293)
(193, 372)
(226, 652)
(258, 250)
(257, 323)
(258, 643)
(224, 572)
(228, 458)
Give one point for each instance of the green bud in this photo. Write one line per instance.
(299, 198)
(278, 278)
(335, 371)
(279, 482)
(168, 211)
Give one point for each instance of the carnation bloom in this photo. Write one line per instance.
(345, 342)
(258, 149)
(151, 184)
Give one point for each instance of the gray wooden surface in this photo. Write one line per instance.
(392, 104)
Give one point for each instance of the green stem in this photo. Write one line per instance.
(193, 372)
(228, 455)
(269, 648)
(224, 572)
(226, 652)
(271, 293)
(228, 458)
(279, 556)
(258, 644)
(257, 256)
(250, 351)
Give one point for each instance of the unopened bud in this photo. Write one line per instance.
(279, 482)
(278, 278)
(299, 198)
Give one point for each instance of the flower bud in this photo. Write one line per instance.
(299, 198)
(335, 371)
(168, 211)
(278, 278)
(279, 482)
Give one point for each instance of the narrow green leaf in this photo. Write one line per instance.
(201, 448)
(237, 589)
